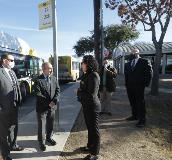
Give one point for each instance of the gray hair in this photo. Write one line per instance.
(45, 64)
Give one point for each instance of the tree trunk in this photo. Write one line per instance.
(156, 69)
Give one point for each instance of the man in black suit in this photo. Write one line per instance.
(138, 73)
(47, 96)
(10, 99)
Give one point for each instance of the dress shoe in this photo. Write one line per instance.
(17, 148)
(101, 113)
(84, 149)
(109, 113)
(42, 147)
(90, 157)
(141, 124)
(51, 141)
(8, 158)
(132, 118)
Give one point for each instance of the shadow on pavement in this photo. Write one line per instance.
(35, 155)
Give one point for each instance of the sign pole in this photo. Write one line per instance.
(54, 22)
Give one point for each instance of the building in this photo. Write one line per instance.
(147, 50)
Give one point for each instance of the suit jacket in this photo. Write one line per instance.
(111, 73)
(140, 75)
(88, 91)
(44, 94)
(7, 93)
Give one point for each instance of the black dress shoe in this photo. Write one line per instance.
(42, 147)
(8, 158)
(90, 157)
(109, 113)
(141, 124)
(132, 118)
(17, 148)
(84, 149)
(51, 141)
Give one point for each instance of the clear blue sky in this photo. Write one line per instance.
(75, 19)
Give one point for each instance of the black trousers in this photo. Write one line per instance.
(45, 125)
(92, 123)
(8, 130)
(137, 101)
(13, 129)
(4, 126)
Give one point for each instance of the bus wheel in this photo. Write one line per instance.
(23, 91)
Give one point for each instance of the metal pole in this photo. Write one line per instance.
(55, 56)
(55, 38)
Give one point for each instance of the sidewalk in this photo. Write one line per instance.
(27, 137)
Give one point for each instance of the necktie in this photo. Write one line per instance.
(48, 84)
(133, 64)
(14, 85)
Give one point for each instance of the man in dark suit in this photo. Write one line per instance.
(10, 99)
(47, 96)
(138, 73)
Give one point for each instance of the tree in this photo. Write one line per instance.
(113, 36)
(84, 45)
(117, 34)
(151, 14)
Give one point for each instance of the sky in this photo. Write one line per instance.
(74, 20)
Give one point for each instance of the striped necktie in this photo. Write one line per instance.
(16, 94)
(132, 64)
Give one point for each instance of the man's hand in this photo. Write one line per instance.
(52, 104)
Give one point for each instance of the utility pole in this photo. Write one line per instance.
(98, 19)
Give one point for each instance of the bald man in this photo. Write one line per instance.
(47, 96)
(138, 73)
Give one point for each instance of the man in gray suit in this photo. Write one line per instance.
(10, 99)
(47, 96)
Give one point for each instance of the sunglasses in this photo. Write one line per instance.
(10, 60)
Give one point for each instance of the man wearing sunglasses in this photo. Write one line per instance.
(10, 99)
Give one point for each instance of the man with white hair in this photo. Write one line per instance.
(47, 96)
(138, 73)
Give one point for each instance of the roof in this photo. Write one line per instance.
(144, 48)
(13, 44)
(9, 43)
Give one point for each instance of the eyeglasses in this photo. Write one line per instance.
(11, 60)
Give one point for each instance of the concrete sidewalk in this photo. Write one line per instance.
(27, 137)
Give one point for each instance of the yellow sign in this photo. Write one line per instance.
(45, 15)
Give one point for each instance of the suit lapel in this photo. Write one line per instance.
(6, 75)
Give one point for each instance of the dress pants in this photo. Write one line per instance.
(45, 125)
(105, 98)
(92, 121)
(4, 126)
(137, 101)
(13, 129)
